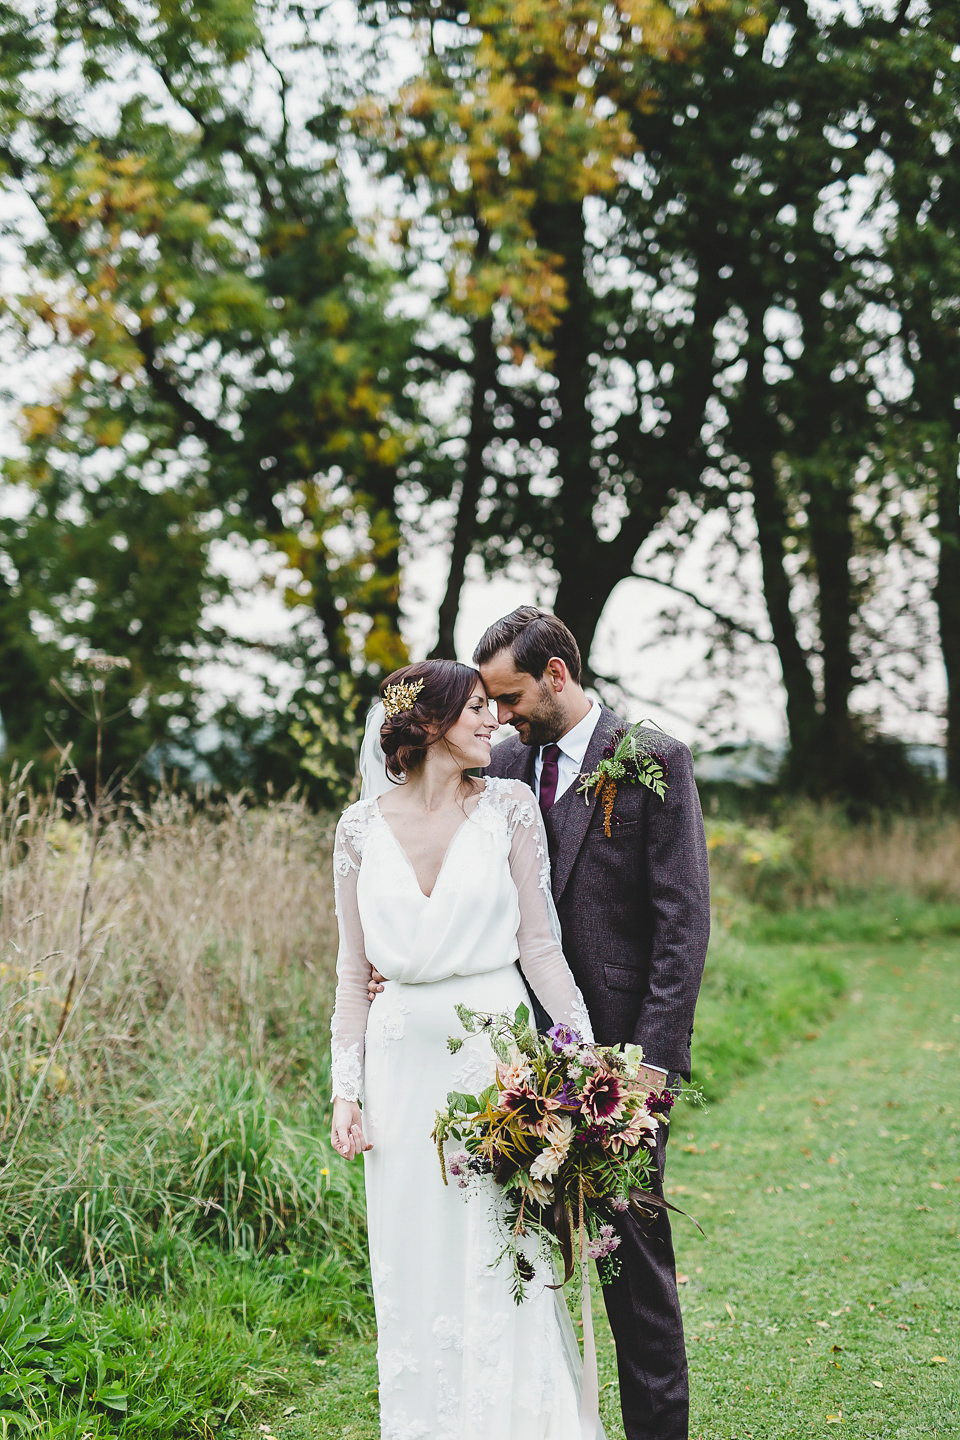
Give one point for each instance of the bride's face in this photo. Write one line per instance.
(469, 739)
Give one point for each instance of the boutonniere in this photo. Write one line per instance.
(625, 759)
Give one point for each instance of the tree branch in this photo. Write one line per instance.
(208, 430)
(727, 621)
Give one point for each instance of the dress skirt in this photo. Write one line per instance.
(458, 1358)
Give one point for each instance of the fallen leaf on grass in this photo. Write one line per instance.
(878, 1383)
(682, 1279)
(938, 1360)
(935, 1185)
(729, 1309)
(834, 1419)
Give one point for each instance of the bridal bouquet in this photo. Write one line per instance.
(565, 1128)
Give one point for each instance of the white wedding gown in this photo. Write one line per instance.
(458, 1358)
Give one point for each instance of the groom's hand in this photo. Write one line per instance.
(374, 984)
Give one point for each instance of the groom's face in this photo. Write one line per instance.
(531, 706)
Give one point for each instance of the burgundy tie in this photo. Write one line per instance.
(549, 775)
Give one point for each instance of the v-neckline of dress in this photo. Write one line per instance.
(446, 854)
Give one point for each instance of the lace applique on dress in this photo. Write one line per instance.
(510, 802)
(474, 1074)
(392, 1364)
(352, 830)
(448, 1333)
(392, 1026)
(399, 1429)
(346, 1069)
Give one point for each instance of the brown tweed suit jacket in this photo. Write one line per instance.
(635, 907)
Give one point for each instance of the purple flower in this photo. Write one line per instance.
(606, 1242)
(562, 1038)
(664, 1101)
(617, 1203)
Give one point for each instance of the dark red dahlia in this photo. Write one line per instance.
(603, 1096)
(532, 1111)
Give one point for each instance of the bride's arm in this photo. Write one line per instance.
(541, 956)
(349, 1023)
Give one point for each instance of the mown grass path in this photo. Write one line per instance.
(833, 1241)
(826, 1298)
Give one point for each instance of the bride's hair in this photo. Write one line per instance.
(406, 738)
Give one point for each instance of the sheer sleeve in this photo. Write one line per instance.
(349, 1022)
(541, 956)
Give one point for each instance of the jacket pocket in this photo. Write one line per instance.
(618, 977)
(626, 830)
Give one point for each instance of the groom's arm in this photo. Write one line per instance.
(678, 899)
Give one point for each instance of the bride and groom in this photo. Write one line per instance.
(455, 890)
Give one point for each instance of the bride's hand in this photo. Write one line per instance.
(347, 1129)
(374, 984)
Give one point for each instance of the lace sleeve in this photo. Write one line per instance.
(541, 956)
(349, 1022)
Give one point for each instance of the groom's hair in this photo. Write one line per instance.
(533, 637)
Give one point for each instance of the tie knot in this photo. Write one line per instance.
(551, 751)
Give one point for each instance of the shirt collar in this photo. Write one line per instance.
(575, 742)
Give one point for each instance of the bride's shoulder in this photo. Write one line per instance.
(511, 798)
(356, 821)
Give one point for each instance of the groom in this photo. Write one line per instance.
(635, 915)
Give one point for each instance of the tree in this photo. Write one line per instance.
(520, 118)
(231, 369)
(919, 119)
(719, 338)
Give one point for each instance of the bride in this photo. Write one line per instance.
(443, 884)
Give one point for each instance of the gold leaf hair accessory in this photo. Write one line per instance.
(397, 699)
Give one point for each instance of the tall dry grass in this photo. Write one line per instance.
(816, 856)
(211, 927)
(166, 978)
(203, 926)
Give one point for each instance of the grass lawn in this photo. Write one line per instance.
(826, 1297)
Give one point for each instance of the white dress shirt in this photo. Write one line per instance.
(573, 747)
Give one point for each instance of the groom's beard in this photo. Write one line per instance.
(545, 723)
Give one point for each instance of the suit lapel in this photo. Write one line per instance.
(519, 762)
(570, 817)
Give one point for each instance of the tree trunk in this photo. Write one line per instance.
(947, 595)
(581, 596)
(803, 722)
(583, 588)
(384, 648)
(756, 438)
(484, 373)
(831, 542)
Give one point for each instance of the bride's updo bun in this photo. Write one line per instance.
(406, 737)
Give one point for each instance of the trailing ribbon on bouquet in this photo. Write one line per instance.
(590, 1393)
